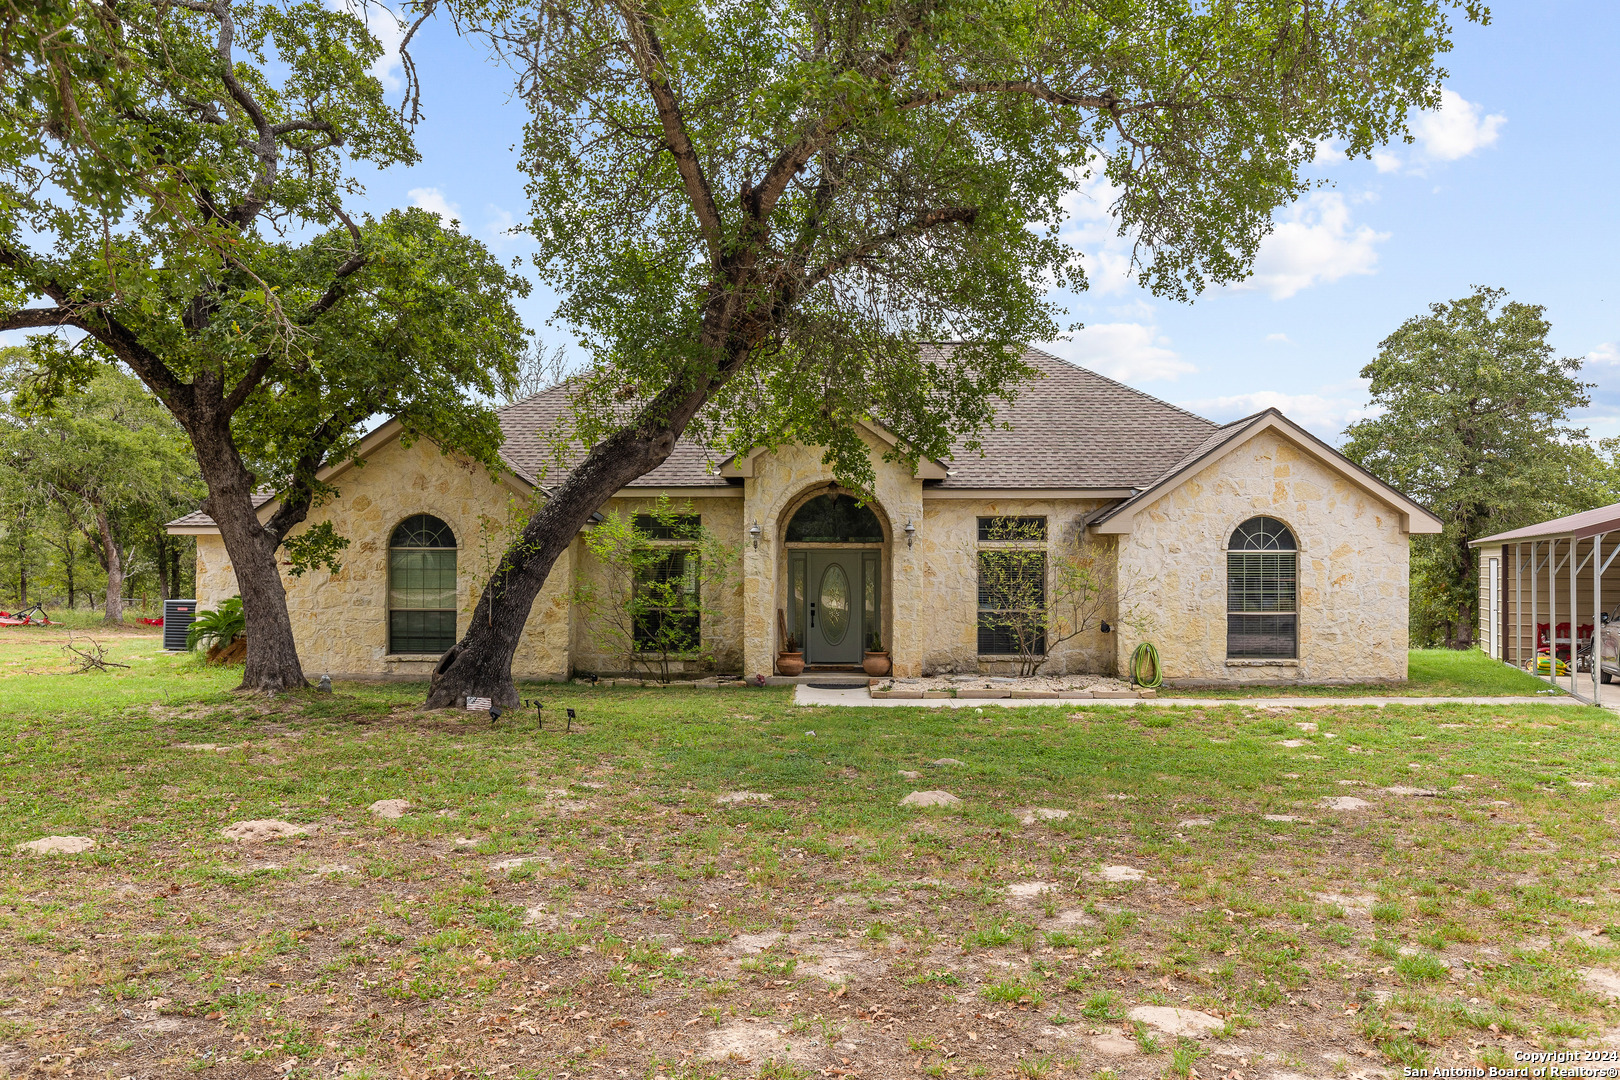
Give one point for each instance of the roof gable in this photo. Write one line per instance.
(1415, 518)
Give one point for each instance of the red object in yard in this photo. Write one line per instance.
(152, 622)
(25, 617)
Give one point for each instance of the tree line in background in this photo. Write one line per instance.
(88, 481)
(1474, 421)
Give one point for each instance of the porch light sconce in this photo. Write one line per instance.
(911, 532)
(754, 531)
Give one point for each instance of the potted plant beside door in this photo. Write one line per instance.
(790, 661)
(876, 662)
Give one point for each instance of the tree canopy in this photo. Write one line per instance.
(773, 203)
(173, 185)
(1474, 425)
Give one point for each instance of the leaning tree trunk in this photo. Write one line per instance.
(480, 664)
(113, 612)
(272, 655)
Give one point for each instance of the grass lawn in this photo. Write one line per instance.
(571, 905)
(1430, 673)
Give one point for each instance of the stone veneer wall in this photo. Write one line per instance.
(948, 545)
(722, 602)
(778, 486)
(340, 620)
(1353, 565)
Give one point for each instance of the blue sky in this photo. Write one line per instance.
(1511, 183)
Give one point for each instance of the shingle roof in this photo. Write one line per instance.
(1070, 428)
(522, 422)
(199, 519)
(1074, 428)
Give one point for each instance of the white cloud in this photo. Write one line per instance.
(1456, 129)
(1605, 355)
(498, 229)
(1281, 339)
(1385, 163)
(1316, 242)
(433, 200)
(1326, 417)
(1129, 351)
(1092, 229)
(389, 31)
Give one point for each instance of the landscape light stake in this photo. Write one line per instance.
(570, 720)
(539, 708)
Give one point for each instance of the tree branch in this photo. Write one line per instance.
(35, 318)
(791, 161)
(295, 503)
(649, 60)
(93, 319)
(962, 215)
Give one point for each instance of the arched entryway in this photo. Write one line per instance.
(835, 551)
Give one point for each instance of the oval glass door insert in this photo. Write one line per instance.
(835, 599)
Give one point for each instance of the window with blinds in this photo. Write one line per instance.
(1262, 601)
(1012, 602)
(668, 615)
(421, 586)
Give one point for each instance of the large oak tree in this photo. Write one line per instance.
(756, 213)
(1473, 410)
(173, 176)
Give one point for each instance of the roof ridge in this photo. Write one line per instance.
(1123, 386)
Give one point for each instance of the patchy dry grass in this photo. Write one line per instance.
(578, 904)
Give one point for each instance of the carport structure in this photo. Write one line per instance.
(1545, 588)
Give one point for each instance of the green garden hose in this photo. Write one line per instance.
(1145, 667)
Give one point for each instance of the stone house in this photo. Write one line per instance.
(1250, 551)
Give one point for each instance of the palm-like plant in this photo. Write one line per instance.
(216, 629)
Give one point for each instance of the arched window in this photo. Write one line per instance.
(1262, 595)
(834, 519)
(421, 586)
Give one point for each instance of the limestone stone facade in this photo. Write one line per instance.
(1154, 506)
(1352, 570)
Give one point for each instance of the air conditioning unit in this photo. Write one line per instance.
(178, 616)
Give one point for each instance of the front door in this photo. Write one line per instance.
(833, 631)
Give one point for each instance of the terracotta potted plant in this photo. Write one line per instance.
(790, 661)
(876, 662)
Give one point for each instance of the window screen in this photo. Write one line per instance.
(421, 586)
(1262, 620)
(668, 616)
(1012, 602)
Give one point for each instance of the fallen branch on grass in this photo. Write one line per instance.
(93, 658)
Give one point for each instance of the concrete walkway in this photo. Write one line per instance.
(809, 695)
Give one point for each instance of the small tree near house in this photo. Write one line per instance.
(1034, 596)
(647, 605)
